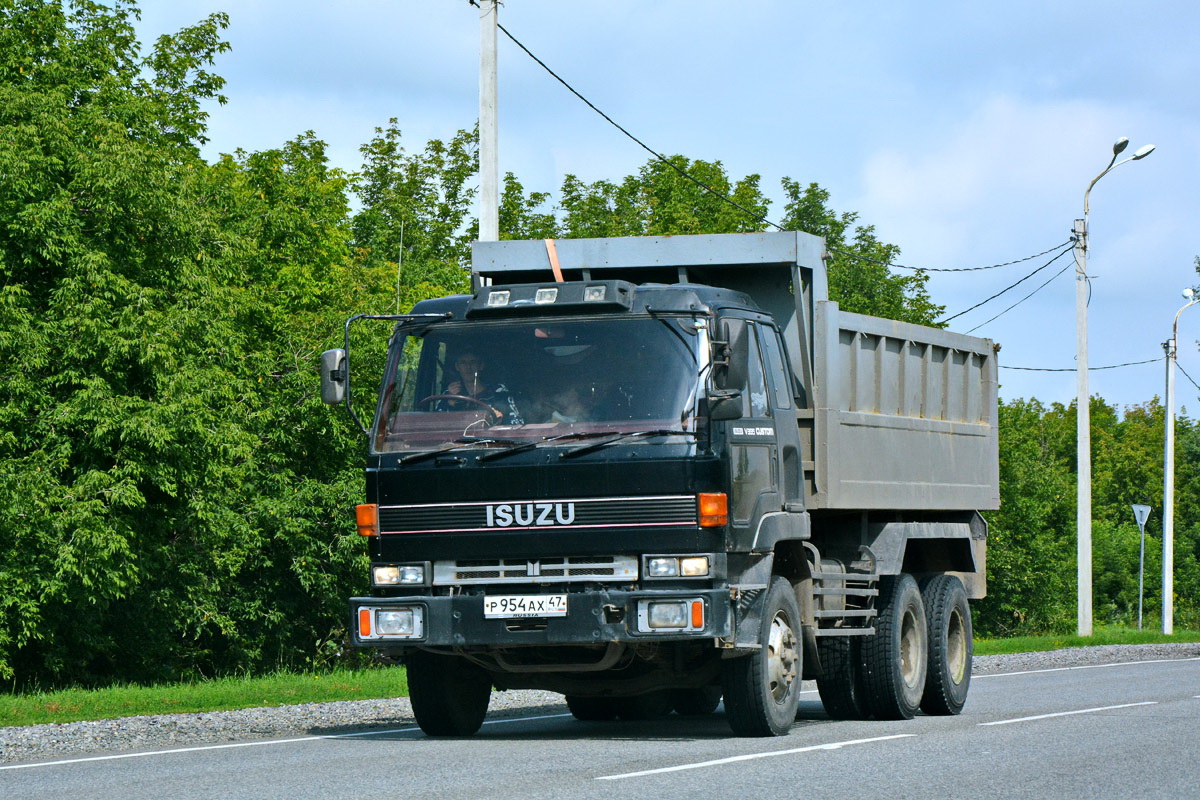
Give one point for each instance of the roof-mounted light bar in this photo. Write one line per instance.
(556, 298)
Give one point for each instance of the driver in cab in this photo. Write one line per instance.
(471, 389)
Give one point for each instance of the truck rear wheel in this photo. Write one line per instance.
(895, 659)
(762, 690)
(950, 645)
(449, 694)
(840, 682)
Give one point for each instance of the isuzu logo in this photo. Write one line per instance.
(504, 515)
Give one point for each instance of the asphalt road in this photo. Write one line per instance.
(1111, 731)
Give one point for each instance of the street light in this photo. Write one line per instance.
(1083, 432)
(1168, 565)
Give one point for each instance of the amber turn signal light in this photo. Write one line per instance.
(367, 517)
(714, 509)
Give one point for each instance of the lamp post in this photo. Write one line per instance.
(1168, 559)
(1083, 432)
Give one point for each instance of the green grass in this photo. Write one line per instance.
(73, 705)
(1031, 644)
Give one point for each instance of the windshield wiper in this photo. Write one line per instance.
(588, 448)
(462, 443)
(521, 447)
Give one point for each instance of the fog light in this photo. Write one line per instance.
(694, 567)
(498, 298)
(667, 615)
(543, 296)
(594, 294)
(662, 567)
(397, 622)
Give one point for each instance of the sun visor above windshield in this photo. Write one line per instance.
(525, 299)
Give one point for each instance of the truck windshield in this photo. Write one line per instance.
(515, 381)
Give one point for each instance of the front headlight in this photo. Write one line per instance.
(678, 566)
(674, 615)
(398, 575)
(662, 567)
(400, 622)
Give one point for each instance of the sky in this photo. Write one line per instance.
(965, 132)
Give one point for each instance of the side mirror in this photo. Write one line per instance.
(731, 356)
(725, 405)
(333, 376)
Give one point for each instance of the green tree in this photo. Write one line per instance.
(416, 213)
(659, 200)
(174, 495)
(1030, 543)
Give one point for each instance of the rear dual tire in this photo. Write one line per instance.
(950, 645)
(895, 660)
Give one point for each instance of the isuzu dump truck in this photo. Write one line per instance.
(651, 473)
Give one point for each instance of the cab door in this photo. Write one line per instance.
(782, 388)
(753, 448)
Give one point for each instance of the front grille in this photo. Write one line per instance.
(596, 513)
(544, 570)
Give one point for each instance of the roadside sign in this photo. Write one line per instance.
(1141, 514)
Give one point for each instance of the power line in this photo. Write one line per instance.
(1010, 286)
(1189, 377)
(1072, 369)
(956, 269)
(1022, 300)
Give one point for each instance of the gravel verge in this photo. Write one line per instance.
(80, 739)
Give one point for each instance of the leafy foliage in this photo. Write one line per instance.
(173, 498)
(1032, 547)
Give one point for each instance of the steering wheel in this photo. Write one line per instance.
(433, 398)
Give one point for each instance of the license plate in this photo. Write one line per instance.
(525, 605)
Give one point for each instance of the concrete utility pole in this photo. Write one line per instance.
(1083, 433)
(1083, 423)
(1168, 565)
(489, 168)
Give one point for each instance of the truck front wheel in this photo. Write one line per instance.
(950, 646)
(762, 690)
(449, 694)
(895, 659)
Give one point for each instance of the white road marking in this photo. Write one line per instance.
(1068, 713)
(751, 757)
(200, 748)
(1084, 666)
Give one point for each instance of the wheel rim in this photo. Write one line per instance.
(956, 648)
(783, 659)
(912, 649)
